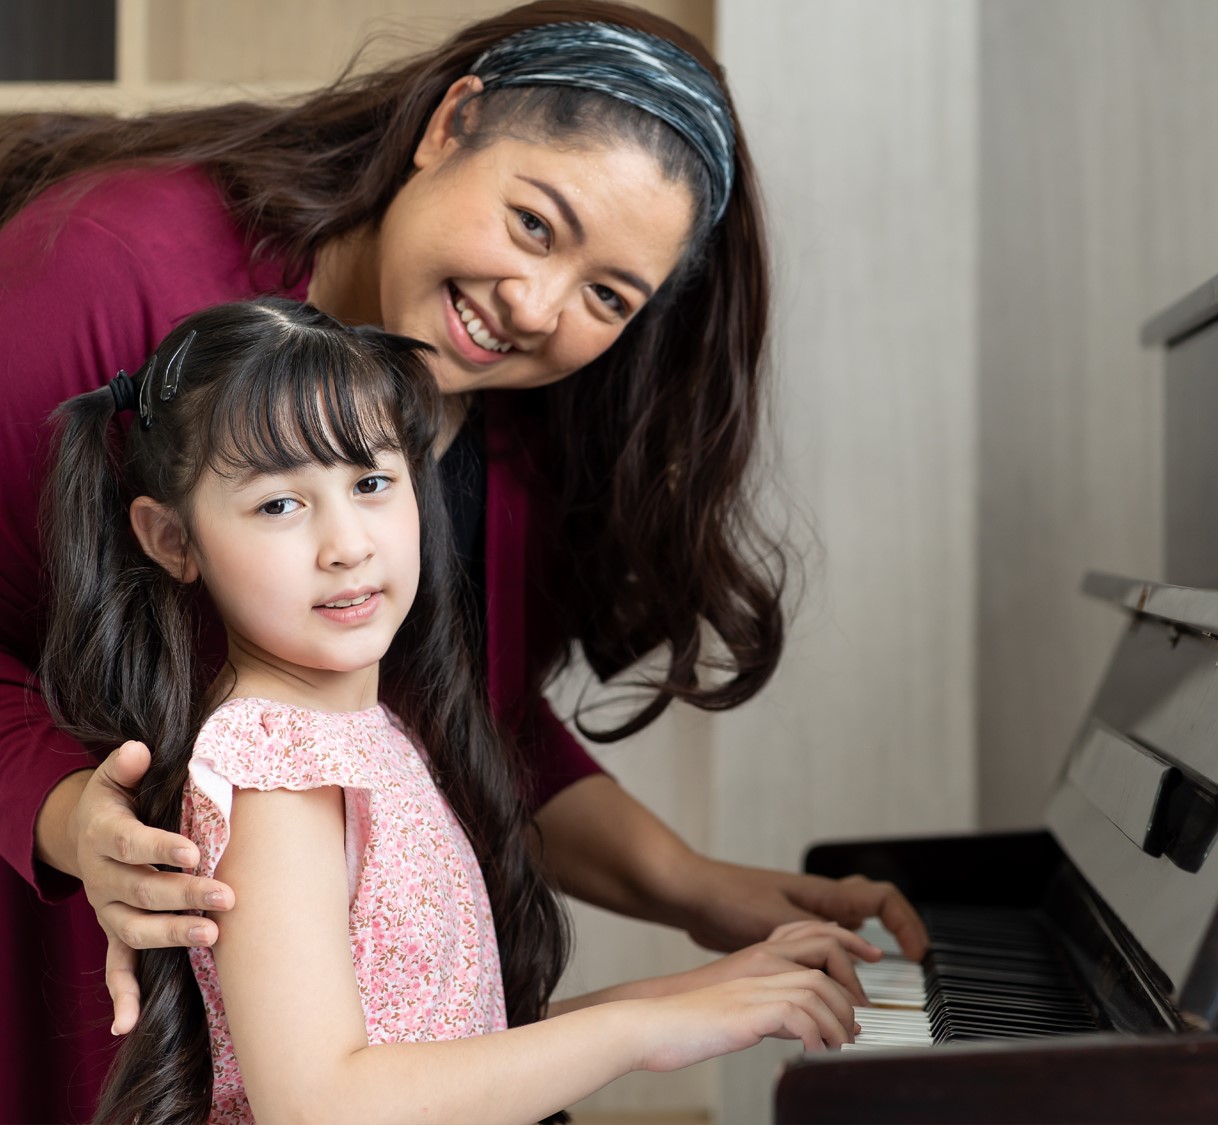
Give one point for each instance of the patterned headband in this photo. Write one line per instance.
(632, 66)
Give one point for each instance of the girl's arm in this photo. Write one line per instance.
(298, 1026)
(604, 847)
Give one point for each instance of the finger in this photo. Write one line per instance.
(124, 767)
(817, 988)
(123, 986)
(904, 923)
(810, 933)
(146, 888)
(857, 897)
(123, 838)
(138, 929)
(828, 955)
(810, 923)
(830, 1026)
(840, 967)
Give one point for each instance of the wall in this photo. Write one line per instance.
(1097, 174)
(861, 115)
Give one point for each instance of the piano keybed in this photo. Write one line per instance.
(991, 973)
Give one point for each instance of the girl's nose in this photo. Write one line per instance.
(533, 303)
(345, 542)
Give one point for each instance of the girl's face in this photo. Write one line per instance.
(312, 571)
(522, 263)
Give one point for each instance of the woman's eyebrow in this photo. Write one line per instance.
(577, 228)
(560, 201)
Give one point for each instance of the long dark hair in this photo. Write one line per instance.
(648, 449)
(266, 386)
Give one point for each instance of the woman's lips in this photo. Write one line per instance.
(458, 334)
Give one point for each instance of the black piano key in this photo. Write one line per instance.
(996, 974)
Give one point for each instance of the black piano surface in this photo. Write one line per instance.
(1123, 887)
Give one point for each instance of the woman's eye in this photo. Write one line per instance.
(534, 227)
(610, 299)
(280, 506)
(370, 486)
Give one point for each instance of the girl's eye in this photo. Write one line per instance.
(610, 299)
(370, 486)
(280, 506)
(534, 227)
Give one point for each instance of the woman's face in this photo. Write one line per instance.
(522, 263)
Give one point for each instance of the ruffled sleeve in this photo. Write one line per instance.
(252, 744)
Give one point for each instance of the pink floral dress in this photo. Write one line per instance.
(422, 937)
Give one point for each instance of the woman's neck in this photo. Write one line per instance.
(344, 282)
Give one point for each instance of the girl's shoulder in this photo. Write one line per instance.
(263, 744)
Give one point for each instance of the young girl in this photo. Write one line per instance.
(285, 464)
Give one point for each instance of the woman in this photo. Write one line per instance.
(564, 217)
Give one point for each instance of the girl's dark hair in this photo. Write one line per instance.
(265, 386)
(648, 446)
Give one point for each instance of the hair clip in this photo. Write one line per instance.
(173, 370)
(169, 381)
(145, 406)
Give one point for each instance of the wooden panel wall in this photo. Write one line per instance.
(295, 40)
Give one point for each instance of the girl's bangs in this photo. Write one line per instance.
(287, 415)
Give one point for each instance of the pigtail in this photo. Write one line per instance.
(118, 664)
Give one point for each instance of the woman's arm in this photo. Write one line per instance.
(604, 847)
(298, 1028)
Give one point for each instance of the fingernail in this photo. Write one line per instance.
(114, 1029)
(183, 857)
(214, 898)
(198, 935)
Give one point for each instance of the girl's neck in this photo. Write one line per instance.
(314, 690)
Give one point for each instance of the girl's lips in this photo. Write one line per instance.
(460, 338)
(351, 614)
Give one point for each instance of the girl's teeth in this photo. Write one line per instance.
(343, 604)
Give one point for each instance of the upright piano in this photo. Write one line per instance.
(1073, 971)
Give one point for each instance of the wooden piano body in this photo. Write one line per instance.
(1125, 883)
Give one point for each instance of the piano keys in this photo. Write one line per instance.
(1073, 972)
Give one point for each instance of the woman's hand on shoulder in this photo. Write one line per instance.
(729, 906)
(689, 1027)
(115, 854)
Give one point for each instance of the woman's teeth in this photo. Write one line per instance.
(477, 331)
(343, 603)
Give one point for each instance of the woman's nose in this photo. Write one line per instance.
(533, 303)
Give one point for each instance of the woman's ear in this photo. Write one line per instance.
(163, 538)
(440, 136)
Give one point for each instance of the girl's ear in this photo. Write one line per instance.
(163, 538)
(440, 136)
